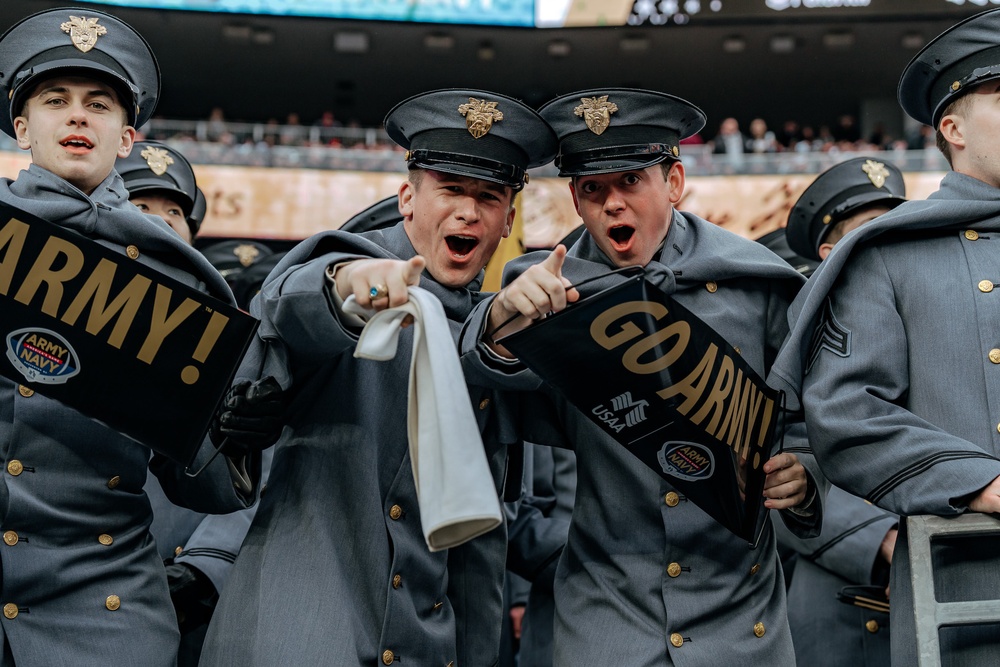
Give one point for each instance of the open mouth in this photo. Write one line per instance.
(621, 236)
(76, 143)
(461, 246)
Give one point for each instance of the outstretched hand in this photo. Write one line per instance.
(540, 290)
(379, 283)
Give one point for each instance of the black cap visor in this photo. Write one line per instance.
(472, 166)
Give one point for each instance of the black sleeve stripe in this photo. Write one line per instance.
(211, 553)
(844, 535)
(886, 487)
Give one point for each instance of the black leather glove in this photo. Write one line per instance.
(193, 594)
(250, 418)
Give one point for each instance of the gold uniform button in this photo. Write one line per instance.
(985, 286)
(755, 568)
(388, 657)
(105, 539)
(712, 286)
(15, 467)
(737, 350)
(178, 550)
(27, 392)
(995, 355)
(437, 605)
(395, 512)
(998, 428)
(872, 626)
(132, 252)
(484, 403)
(674, 569)
(113, 602)
(397, 581)
(971, 234)
(10, 538)
(758, 629)
(10, 610)
(671, 499)
(114, 481)
(676, 639)
(827, 219)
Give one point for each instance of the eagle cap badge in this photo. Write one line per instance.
(83, 31)
(596, 112)
(158, 159)
(246, 253)
(480, 116)
(877, 173)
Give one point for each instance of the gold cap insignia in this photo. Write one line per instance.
(480, 116)
(83, 31)
(246, 253)
(596, 111)
(158, 159)
(876, 171)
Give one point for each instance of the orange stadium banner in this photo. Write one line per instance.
(271, 203)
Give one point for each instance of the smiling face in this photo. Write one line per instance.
(156, 203)
(455, 222)
(628, 212)
(76, 128)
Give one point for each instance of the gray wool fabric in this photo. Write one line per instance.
(77, 506)
(339, 521)
(898, 391)
(615, 602)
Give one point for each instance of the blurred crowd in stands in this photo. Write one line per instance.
(328, 143)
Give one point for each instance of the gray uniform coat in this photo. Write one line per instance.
(335, 569)
(74, 516)
(825, 631)
(899, 392)
(615, 601)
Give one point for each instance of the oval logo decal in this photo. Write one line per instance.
(686, 460)
(42, 356)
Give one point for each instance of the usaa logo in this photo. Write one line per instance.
(42, 356)
(686, 460)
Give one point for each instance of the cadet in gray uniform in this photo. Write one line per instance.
(335, 569)
(895, 344)
(82, 583)
(856, 545)
(198, 549)
(647, 578)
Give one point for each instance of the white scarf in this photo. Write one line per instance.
(455, 489)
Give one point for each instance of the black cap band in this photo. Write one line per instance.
(956, 80)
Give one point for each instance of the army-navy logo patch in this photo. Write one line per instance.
(480, 116)
(830, 335)
(42, 356)
(158, 159)
(877, 173)
(686, 460)
(83, 31)
(596, 112)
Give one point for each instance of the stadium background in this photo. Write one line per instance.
(811, 61)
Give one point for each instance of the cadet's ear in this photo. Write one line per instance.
(675, 182)
(21, 132)
(824, 250)
(406, 192)
(953, 130)
(128, 139)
